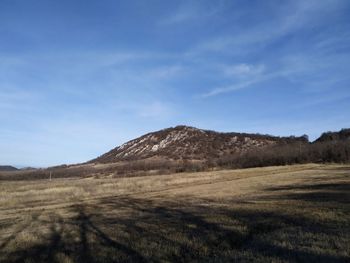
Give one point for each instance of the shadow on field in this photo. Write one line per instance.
(137, 230)
(320, 192)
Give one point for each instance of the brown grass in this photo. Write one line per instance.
(277, 214)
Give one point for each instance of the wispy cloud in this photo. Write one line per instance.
(182, 15)
(315, 71)
(243, 70)
(164, 72)
(290, 72)
(192, 10)
(297, 15)
(238, 86)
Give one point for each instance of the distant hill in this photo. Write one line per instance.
(341, 135)
(189, 143)
(7, 168)
(184, 148)
(28, 168)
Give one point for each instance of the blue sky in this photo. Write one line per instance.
(78, 78)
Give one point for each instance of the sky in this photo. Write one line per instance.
(78, 78)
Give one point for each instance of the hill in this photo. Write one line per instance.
(341, 135)
(183, 148)
(189, 143)
(7, 168)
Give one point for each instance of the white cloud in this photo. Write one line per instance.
(234, 87)
(164, 72)
(243, 70)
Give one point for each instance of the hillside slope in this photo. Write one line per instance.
(7, 168)
(341, 135)
(183, 142)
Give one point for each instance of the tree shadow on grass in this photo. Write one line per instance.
(336, 192)
(139, 230)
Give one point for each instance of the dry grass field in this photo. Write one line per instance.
(297, 213)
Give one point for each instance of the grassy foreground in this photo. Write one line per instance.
(295, 213)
